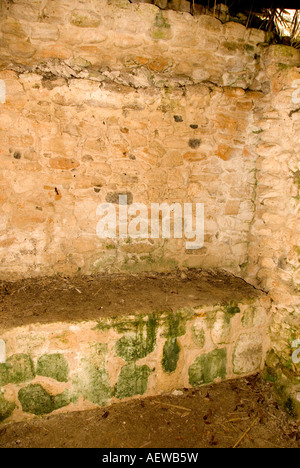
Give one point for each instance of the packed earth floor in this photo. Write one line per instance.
(48, 300)
(239, 413)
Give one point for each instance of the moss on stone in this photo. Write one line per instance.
(147, 263)
(54, 366)
(92, 380)
(198, 335)
(161, 29)
(82, 20)
(232, 309)
(141, 342)
(170, 355)
(175, 326)
(208, 367)
(286, 396)
(133, 380)
(61, 400)
(175, 323)
(20, 368)
(231, 46)
(36, 400)
(290, 407)
(3, 375)
(283, 51)
(6, 408)
(161, 21)
(248, 317)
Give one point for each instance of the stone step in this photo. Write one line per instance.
(75, 344)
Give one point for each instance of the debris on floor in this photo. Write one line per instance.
(234, 414)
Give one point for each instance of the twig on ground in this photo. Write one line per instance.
(171, 406)
(246, 433)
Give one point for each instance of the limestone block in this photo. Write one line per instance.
(85, 19)
(21, 49)
(282, 54)
(13, 27)
(44, 32)
(248, 353)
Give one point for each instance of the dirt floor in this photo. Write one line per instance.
(241, 413)
(47, 300)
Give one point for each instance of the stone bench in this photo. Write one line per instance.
(74, 344)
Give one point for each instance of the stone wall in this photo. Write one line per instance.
(122, 98)
(100, 98)
(59, 367)
(275, 236)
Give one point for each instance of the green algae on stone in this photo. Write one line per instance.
(36, 400)
(61, 400)
(287, 397)
(285, 54)
(232, 309)
(93, 384)
(161, 21)
(248, 317)
(161, 29)
(83, 19)
(175, 323)
(133, 380)
(92, 380)
(208, 367)
(253, 317)
(3, 375)
(148, 263)
(6, 408)
(198, 335)
(140, 342)
(20, 368)
(170, 355)
(54, 366)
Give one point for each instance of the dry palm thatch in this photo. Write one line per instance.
(285, 23)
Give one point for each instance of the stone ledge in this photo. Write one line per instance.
(60, 366)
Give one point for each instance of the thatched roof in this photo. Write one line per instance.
(279, 17)
(257, 5)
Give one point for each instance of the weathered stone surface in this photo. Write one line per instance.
(220, 332)
(6, 408)
(85, 19)
(119, 356)
(282, 54)
(44, 32)
(133, 380)
(21, 49)
(170, 355)
(198, 334)
(54, 366)
(35, 400)
(105, 121)
(208, 367)
(140, 343)
(248, 353)
(18, 368)
(92, 381)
